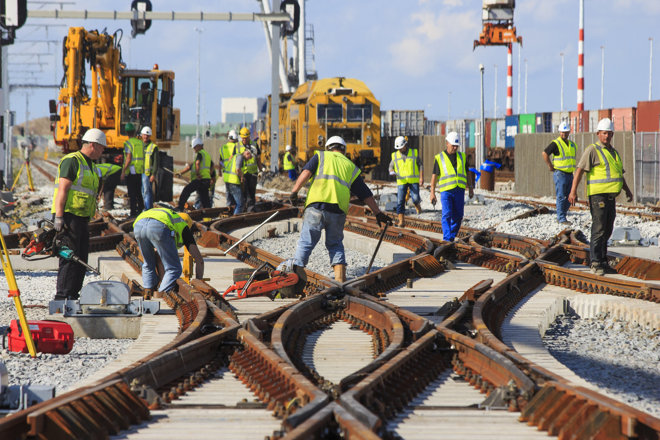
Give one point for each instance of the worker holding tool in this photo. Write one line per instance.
(133, 169)
(450, 172)
(200, 175)
(166, 231)
(74, 203)
(150, 167)
(335, 178)
(407, 166)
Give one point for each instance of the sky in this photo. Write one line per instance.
(413, 54)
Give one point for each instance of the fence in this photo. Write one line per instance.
(647, 167)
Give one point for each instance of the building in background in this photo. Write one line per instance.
(243, 111)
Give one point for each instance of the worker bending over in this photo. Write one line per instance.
(335, 178)
(200, 176)
(166, 231)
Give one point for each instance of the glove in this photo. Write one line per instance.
(381, 217)
(293, 198)
(58, 224)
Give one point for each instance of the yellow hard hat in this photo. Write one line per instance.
(245, 132)
(186, 218)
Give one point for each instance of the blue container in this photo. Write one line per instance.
(544, 122)
(511, 127)
(471, 134)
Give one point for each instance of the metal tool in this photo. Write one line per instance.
(380, 240)
(168, 170)
(433, 202)
(250, 233)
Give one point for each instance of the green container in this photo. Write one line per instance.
(527, 123)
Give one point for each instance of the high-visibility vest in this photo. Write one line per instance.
(333, 179)
(451, 178)
(230, 175)
(565, 161)
(250, 166)
(136, 148)
(606, 177)
(149, 157)
(107, 169)
(169, 218)
(204, 167)
(405, 167)
(81, 198)
(287, 161)
(226, 152)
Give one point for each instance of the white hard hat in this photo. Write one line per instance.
(197, 141)
(605, 124)
(400, 142)
(452, 138)
(563, 127)
(335, 141)
(146, 130)
(232, 135)
(95, 135)
(288, 148)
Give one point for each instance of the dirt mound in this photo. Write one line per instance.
(279, 182)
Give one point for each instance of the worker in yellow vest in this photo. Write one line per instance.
(604, 169)
(335, 178)
(133, 169)
(562, 166)
(200, 175)
(451, 175)
(233, 177)
(251, 169)
(289, 164)
(407, 167)
(166, 231)
(151, 162)
(109, 180)
(74, 203)
(227, 152)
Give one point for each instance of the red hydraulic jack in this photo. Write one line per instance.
(288, 284)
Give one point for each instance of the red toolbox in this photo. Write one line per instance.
(48, 336)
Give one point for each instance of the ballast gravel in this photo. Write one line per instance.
(620, 357)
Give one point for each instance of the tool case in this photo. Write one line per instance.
(49, 337)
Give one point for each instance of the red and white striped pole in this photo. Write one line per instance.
(509, 80)
(580, 89)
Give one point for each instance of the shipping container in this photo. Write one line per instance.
(443, 128)
(605, 113)
(593, 119)
(558, 118)
(624, 118)
(492, 138)
(579, 121)
(470, 134)
(544, 122)
(527, 123)
(402, 122)
(648, 116)
(511, 127)
(501, 133)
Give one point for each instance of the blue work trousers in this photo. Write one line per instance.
(401, 196)
(151, 233)
(314, 221)
(292, 174)
(234, 191)
(563, 183)
(147, 194)
(453, 202)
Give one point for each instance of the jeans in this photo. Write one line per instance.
(563, 182)
(150, 233)
(603, 213)
(453, 202)
(401, 196)
(314, 221)
(231, 201)
(147, 194)
(70, 275)
(234, 190)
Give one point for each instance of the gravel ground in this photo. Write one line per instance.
(618, 356)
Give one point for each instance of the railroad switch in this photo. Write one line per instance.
(104, 298)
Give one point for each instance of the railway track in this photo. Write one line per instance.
(260, 368)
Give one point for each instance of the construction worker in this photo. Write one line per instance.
(450, 172)
(133, 169)
(166, 231)
(109, 180)
(200, 176)
(604, 169)
(407, 167)
(233, 176)
(74, 203)
(335, 178)
(251, 168)
(288, 163)
(227, 151)
(562, 166)
(151, 162)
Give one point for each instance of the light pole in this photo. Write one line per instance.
(495, 93)
(561, 93)
(602, 75)
(525, 85)
(650, 66)
(481, 152)
(199, 74)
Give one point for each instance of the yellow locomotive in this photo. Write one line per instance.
(328, 107)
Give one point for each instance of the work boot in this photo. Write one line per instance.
(400, 222)
(340, 272)
(418, 208)
(147, 294)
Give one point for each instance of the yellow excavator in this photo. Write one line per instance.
(118, 96)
